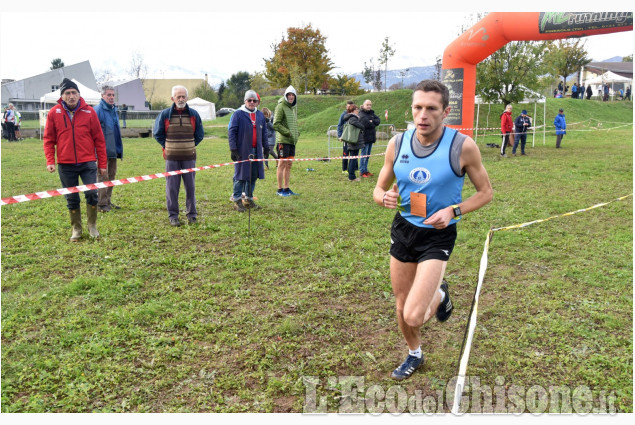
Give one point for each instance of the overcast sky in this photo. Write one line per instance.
(191, 38)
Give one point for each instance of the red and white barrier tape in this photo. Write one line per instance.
(102, 185)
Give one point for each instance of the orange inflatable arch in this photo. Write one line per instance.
(499, 28)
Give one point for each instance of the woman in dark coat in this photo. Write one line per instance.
(352, 118)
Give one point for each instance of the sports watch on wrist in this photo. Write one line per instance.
(457, 211)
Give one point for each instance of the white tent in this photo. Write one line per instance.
(608, 77)
(207, 110)
(90, 96)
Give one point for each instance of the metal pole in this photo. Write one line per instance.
(251, 164)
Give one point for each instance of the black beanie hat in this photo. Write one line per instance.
(67, 84)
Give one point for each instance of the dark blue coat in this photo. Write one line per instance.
(240, 138)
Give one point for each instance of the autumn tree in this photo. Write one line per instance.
(302, 58)
(344, 85)
(511, 72)
(566, 57)
(57, 63)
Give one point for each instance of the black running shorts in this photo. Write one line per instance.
(286, 151)
(413, 244)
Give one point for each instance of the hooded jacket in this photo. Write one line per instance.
(74, 140)
(110, 127)
(285, 119)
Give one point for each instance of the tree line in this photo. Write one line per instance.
(300, 58)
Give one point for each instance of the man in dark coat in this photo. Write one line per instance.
(370, 121)
(247, 139)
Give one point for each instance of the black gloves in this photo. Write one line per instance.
(235, 155)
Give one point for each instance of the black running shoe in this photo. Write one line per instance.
(407, 368)
(445, 308)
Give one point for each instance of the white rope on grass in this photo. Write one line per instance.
(471, 324)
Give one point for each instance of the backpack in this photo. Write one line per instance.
(350, 134)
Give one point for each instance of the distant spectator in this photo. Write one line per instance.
(521, 125)
(560, 87)
(621, 96)
(561, 127)
(124, 114)
(9, 121)
(271, 135)
(507, 127)
(18, 123)
(354, 146)
(574, 91)
(340, 128)
(581, 92)
(589, 92)
(606, 92)
(628, 93)
(370, 121)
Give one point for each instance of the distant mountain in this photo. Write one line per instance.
(613, 59)
(411, 75)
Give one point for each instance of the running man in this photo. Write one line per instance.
(429, 164)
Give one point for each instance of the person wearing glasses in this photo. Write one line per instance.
(247, 139)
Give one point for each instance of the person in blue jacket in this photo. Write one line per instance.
(107, 113)
(561, 127)
(521, 124)
(247, 139)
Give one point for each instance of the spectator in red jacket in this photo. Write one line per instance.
(507, 127)
(73, 133)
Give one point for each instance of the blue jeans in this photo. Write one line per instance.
(70, 175)
(352, 163)
(522, 137)
(245, 186)
(173, 185)
(344, 160)
(363, 162)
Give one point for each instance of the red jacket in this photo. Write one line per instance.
(78, 140)
(507, 123)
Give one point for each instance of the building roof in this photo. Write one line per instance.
(624, 69)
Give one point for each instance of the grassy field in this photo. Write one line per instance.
(233, 314)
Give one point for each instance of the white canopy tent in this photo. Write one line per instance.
(91, 97)
(609, 77)
(207, 110)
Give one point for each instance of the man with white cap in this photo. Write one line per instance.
(247, 139)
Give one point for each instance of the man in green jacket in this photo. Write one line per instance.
(285, 123)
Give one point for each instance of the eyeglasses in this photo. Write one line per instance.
(252, 100)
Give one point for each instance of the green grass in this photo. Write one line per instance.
(230, 314)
